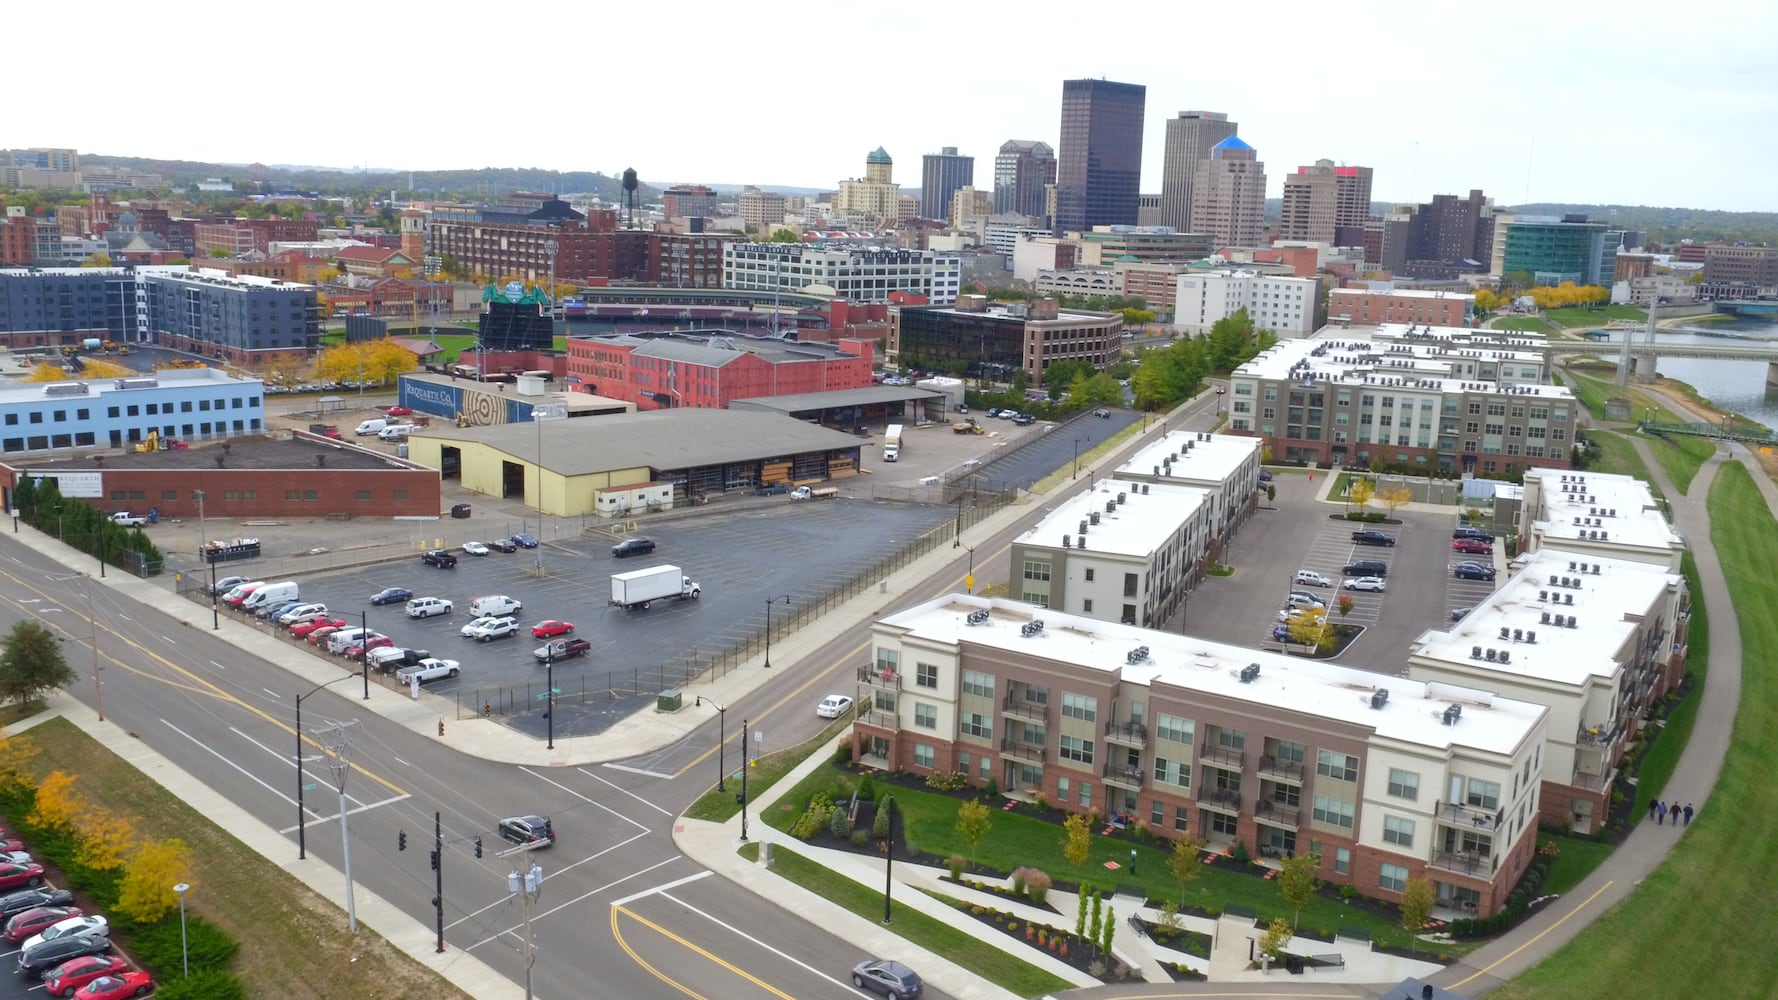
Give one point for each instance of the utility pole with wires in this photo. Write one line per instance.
(336, 739)
(526, 882)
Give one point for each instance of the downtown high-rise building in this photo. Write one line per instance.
(1190, 138)
(1099, 164)
(1229, 194)
(941, 174)
(1320, 199)
(1022, 170)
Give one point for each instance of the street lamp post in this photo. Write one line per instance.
(92, 619)
(888, 857)
(203, 540)
(722, 744)
(184, 950)
(1076, 474)
(769, 602)
(302, 847)
(743, 795)
(549, 695)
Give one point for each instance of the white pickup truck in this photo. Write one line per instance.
(129, 520)
(429, 669)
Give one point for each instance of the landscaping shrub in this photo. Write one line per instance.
(867, 788)
(947, 781)
(156, 945)
(1018, 880)
(879, 826)
(210, 985)
(860, 838)
(955, 863)
(993, 788)
(1037, 886)
(838, 824)
(842, 754)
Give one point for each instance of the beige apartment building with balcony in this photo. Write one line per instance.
(1597, 514)
(1385, 779)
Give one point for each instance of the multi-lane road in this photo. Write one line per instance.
(622, 912)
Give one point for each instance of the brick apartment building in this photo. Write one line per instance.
(1365, 307)
(660, 371)
(513, 241)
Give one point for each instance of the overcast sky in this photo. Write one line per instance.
(1630, 102)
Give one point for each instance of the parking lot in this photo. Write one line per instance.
(739, 557)
(1420, 589)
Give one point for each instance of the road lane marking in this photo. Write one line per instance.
(516, 928)
(218, 666)
(662, 889)
(364, 807)
(618, 936)
(589, 801)
(507, 897)
(168, 641)
(269, 691)
(626, 791)
(742, 934)
(637, 770)
(658, 929)
(246, 773)
(1490, 967)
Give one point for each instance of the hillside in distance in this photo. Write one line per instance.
(483, 182)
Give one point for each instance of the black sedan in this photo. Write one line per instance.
(46, 955)
(392, 595)
(25, 899)
(503, 544)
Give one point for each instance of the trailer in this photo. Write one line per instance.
(813, 493)
(240, 548)
(892, 443)
(642, 587)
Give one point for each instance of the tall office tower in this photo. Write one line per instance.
(941, 174)
(1021, 171)
(1099, 168)
(1229, 194)
(1189, 139)
(1318, 200)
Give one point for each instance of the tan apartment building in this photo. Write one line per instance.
(1384, 779)
(1595, 641)
(1365, 307)
(1321, 198)
(1225, 466)
(1586, 514)
(762, 210)
(1155, 284)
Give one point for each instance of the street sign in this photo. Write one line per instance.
(309, 787)
(546, 695)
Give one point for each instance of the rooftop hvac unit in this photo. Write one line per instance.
(1546, 618)
(1067, 541)
(1506, 656)
(1553, 579)
(1120, 496)
(1379, 697)
(1092, 517)
(1137, 655)
(1596, 565)
(1493, 655)
(1031, 628)
(1567, 598)
(1110, 505)
(1452, 714)
(1531, 635)
(1518, 635)
(1081, 542)
(1543, 595)
(1504, 631)
(977, 617)
(1250, 673)
(1475, 652)
(1571, 622)
(1083, 525)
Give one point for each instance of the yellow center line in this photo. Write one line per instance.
(197, 686)
(1490, 967)
(658, 929)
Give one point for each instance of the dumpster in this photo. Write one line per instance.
(460, 510)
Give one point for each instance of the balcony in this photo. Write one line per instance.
(1590, 782)
(1599, 737)
(1275, 813)
(1129, 734)
(1221, 756)
(1123, 775)
(1281, 770)
(880, 719)
(1461, 861)
(1224, 799)
(888, 680)
(1018, 707)
(1021, 750)
(1469, 816)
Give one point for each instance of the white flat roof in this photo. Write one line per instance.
(1413, 713)
(1403, 365)
(1479, 336)
(1211, 458)
(165, 378)
(1624, 509)
(1139, 525)
(1565, 655)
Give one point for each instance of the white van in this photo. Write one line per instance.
(338, 641)
(494, 604)
(272, 593)
(395, 432)
(373, 426)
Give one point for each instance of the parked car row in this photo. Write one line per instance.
(57, 941)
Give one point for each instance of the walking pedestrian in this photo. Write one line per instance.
(1663, 815)
(1688, 814)
(1653, 804)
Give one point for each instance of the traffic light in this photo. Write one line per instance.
(478, 847)
(401, 840)
(434, 861)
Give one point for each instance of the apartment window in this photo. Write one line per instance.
(1181, 819)
(1129, 585)
(923, 756)
(1086, 606)
(1062, 785)
(963, 763)
(1479, 844)
(1157, 814)
(1483, 794)
(362, 494)
(1076, 749)
(1086, 794)
(926, 675)
(977, 725)
(1223, 824)
(1343, 860)
(1404, 784)
(1393, 877)
(1398, 831)
(888, 660)
(1286, 750)
(1037, 695)
(1174, 728)
(1333, 812)
(1333, 764)
(1037, 570)
(977, 683)
(925, 716)
(1172, 772)
(1089, 574)
(401, 494)
(1079, 706)
(1287, 795)
(293, 494)
(12, 420)
(985, 763)
(311, 495)
(1233, 739)
(1475, 409)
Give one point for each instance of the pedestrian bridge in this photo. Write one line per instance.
(1731, 348)
(1733, 431)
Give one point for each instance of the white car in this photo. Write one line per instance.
(475, 548)
(495, 628)
(1289, 615)
(429, 669)
(426, 607)
(302, 613)
(1371, 583)
(474, 623)
(85, 926)
(1310, 578)
(833, 706)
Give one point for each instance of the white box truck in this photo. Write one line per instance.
(892, 443)
(642, 587)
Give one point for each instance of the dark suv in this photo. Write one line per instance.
(528, 830)
(439, 558)
(633, 547)
(1371, 536)
(1475, 533)
(1472, 571)
(1366, 567)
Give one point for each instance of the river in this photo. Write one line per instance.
(1736, 386)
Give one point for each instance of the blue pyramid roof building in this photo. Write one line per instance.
(878, 155)
(1232, 142)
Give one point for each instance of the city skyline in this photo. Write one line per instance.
(1434, 100)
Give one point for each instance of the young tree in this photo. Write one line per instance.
(1395, 498)
(1360, 492)
(973, 823)
(784, 236)
(1309, 628)
(1107, 931)
(1345, 605)
(1277, 938)
(146, 892)
(99, 259)
(1297, 881)
(1077, 844)
(1184, 863)
(1080, 911)
(1416, 908)
(32, 664)
(1271, 493)
(58, 804)
(1098, 917)
(105, 840)
(15, 753)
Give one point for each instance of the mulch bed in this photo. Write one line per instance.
(1059, 943)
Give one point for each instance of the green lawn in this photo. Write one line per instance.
(1599, 316)
(1704, 917)
(1593, 392)
(980, 957)
(1580, 855)
(1016, 839)
(1681, 457)
(718, 806)
(1528, 323)
(1617, 455)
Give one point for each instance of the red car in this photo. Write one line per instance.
(398, 411)
(302, 629)
(71, 975)
(353, 652)
(550, 628)
(30, 922)
(316, 637)
(17, 876)
(1473, 545)
(116, 986)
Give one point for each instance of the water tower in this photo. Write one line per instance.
(630, 186)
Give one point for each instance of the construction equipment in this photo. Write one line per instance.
(966, 427)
